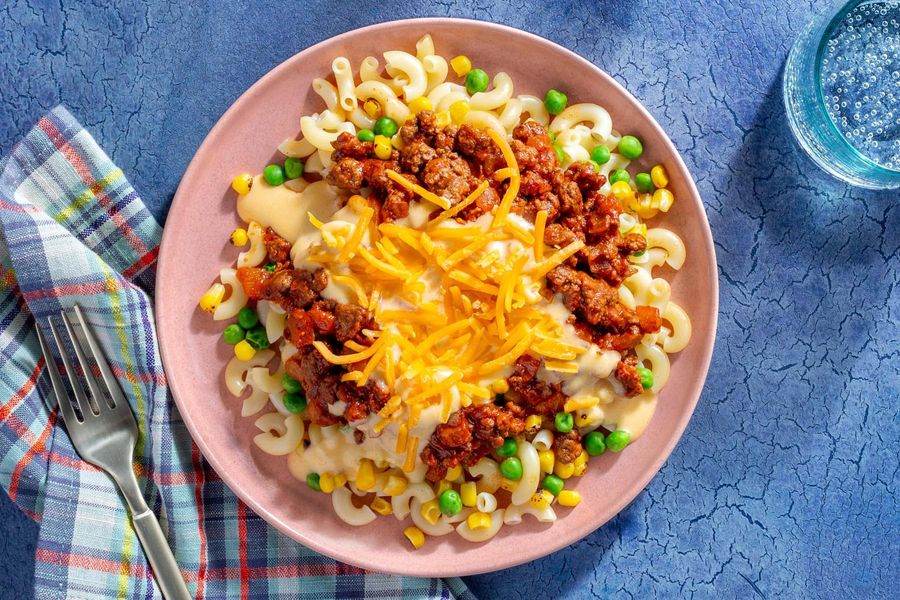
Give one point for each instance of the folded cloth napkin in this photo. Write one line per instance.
(74, 230)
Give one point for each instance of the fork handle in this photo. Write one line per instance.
(165, 569)
(156, 547)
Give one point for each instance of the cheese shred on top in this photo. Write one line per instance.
(456, 303)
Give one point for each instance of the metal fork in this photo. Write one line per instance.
(104, 433)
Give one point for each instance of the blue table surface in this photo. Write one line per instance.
(785, 481)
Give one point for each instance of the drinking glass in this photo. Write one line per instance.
(842, 91)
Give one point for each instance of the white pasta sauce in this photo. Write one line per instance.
(339, 453)
(595, 368)
(285, 210)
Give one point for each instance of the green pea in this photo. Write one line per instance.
(274, 174)
(290, 385)
(270, 267)
(646, 377)
(594, 165)
(620, 175)
(511, 468)
(600, 154)
(295, 402)
(638, 254)
(509, 448)
(293, 167)
(555, 101)
(312, 480)
(258, 338)
(553, 484)
(450, 503)
(365, 135)
(385, 126)
(630, 147)
(560, 155)
(643, 182)
(247, 318)
(617, 440)
(476, 81)
(564, 422)
(594, 443)
(233, 334)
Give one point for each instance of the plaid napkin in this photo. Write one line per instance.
(74, 230)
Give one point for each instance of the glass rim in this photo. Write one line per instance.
(820, 96)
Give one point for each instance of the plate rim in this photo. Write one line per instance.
(553, 544)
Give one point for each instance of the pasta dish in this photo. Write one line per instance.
(445, 306)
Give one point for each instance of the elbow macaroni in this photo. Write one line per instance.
(346, 88)
(502, 92)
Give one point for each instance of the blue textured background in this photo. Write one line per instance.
(785, 482)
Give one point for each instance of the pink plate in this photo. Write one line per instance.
(195, 247)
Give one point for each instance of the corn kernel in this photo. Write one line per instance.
(430, 511)
(508, 484)
(382, 147)
(581, 458)
(541, 500)
(622, 191)
(580, 470)
(563, 470)
(382, 507)
(659, 176)
(211, 299)
(442, 119)
(239, 237)
(582, 419)
(478, 520)
(645, 208)
(326, 482)
(372, 108)
(340, 479)
(547, 459)
(664, 199)
(461, 65)
(459, 110)
(415, 536)
(442, 486)
(500, 386)
(419, 104)
(242, 183)
(395, 485)
(454, 473)
(244, 351)
(365, 478)
(533, 421)
(469, 493)
(381, 480)
(569, 498)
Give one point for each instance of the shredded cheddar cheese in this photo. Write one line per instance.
(417, 189)
(540, 222)
(456, 302)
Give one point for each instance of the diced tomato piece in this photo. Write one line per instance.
(299, 328)
(323, 320)
(254, 281)
(648, 318)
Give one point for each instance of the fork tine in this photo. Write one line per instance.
(112, 384)
(99, 398)
(59, 389)
(81, 399)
